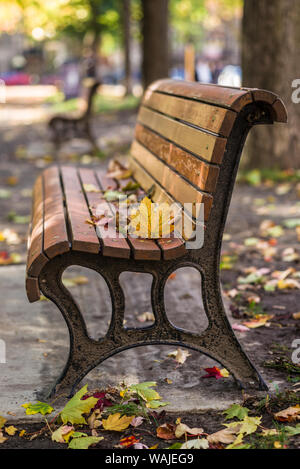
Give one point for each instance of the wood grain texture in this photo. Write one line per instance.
(232, 98)
(142, 249)
(55, 231)
(160, 196)
(209, 117)
(32, 289)
(182, 191)
(205, 145)
(201, 174)
(83, 235)
(112, 243)
(36, 259)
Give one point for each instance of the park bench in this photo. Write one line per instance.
(188, 142)
(64, 127)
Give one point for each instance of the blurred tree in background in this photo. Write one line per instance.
(155, 40)
(271, 57)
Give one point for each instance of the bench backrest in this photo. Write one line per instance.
(182, 134)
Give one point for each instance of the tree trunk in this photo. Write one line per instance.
(127, 41)
(155, 40)
(271, 56)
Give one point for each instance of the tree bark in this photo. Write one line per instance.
(271, 56)
(155, 40)
(127, 43)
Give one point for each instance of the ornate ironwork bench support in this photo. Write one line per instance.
(217, 342)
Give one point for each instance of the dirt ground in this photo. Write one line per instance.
(248, 247)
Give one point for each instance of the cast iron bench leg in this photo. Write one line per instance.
(217, 342)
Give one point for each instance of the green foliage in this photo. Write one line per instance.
(76, 407)
(84, 442)
(101, 104)
(38, 408)
(236, 411)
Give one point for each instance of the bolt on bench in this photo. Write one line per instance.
(188, 142)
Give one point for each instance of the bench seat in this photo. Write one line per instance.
(62, 215)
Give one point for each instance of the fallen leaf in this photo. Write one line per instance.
(145, 392)
(180, 355)
(63, 434)
(240, 328)
(236, 411)
(11, 430)
(12, 180)
(2, 421)
(247, 426)
(214, 372)
(117, 423)
(38, 408)
(196, 444)
(225, 437)
(288, 415)
(255, 323)
(76, 407)
(225, 373)
(289, 284)
(182, 429)
(84, 442)
(91, 188)
(72, 282)
(146, 317)
(129, 441)
(166, 431)
(151, 220)
(292, 431)
(137, 421)
(102, 401)
(2, 438)
(270, 432)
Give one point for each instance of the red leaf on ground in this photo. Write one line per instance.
(102, 401)
(129, 441)
(214, 372)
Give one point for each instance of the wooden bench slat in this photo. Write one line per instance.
(160, 195)
(232, 98)
(112, 244)
(201, 174)
(142, 249)
(171, 248)
(56, 239)
(207, 146)
(32, 289)
(209, 117)
(36, 259)
(182, 191)
(84, 237)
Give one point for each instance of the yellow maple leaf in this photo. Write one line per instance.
(2, 421)
(152, 220)
(117, 423)
(11, 430)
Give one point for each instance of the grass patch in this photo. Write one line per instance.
(101, 104)
(257, 177)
